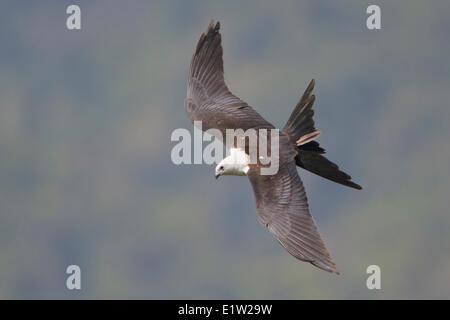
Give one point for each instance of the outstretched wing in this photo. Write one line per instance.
(282, 207)
(208, 99)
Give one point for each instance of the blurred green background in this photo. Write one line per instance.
(85, 170)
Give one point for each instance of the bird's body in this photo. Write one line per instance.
(281, 200)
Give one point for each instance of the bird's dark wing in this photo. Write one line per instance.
(282, 207)
(208, 99)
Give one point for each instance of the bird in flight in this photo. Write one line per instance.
(281, 201)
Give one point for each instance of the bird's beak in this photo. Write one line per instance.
(218, 175)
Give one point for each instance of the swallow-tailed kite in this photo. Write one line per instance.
(281, 201)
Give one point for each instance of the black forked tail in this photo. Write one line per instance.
(301, 121)
(300, 127)
(318, 164)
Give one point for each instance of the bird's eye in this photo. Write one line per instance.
(221, 168)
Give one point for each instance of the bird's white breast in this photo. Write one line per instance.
(238, 160)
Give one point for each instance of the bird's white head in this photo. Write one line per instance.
(236, 164)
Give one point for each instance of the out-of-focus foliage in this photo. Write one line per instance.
(85, 170)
